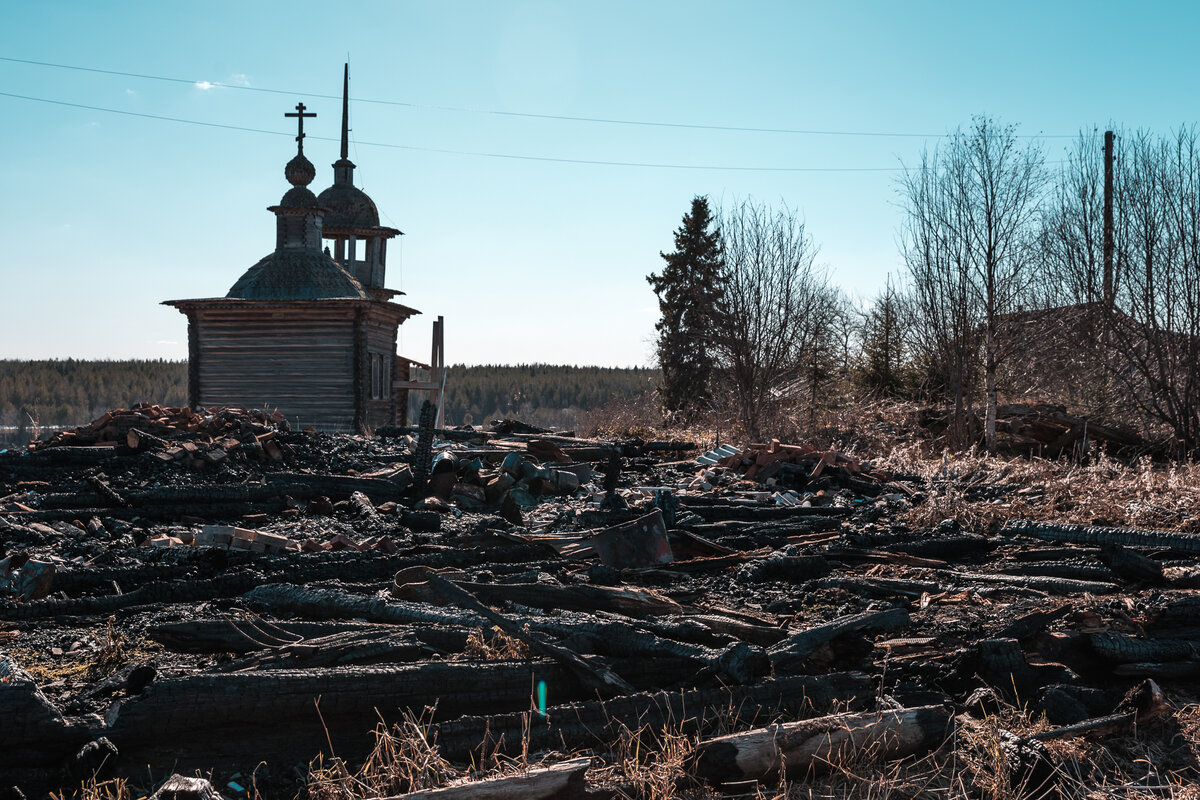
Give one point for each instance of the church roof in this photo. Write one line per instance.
(297, 274)
(348, 206)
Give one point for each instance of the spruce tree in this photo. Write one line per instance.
(690, 290)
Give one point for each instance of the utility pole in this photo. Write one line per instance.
(1109, 287)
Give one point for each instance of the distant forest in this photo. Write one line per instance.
(72, 392)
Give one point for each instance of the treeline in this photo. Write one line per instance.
(541, 394)
(71, 392)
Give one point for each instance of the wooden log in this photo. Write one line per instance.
(73, 455)
(141, 441)
(202, 711)
(1163, 670)
(799, 749)
(627, 600)
(1123, 648)
(32, 731)
(579, 725)
(565, 781)
(1141, 704)
(1057, 586)
(710, 510)
(180, 787)
(305, 486)
(1033, 623)
(1174, 541)
(98, 483)
(595, 675)
(793, 651)
(1131, 565)
(165, 513)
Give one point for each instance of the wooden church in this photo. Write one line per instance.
(307, 331)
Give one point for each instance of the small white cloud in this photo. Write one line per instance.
(93, 124)
(204, 85)
(239, 79)
(131, 92)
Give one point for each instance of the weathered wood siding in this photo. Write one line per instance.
(300, 362)
(381, 349)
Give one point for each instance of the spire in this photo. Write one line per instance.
(343, 168)
(346, 112)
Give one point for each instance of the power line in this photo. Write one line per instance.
(519, 114)
(513, 156)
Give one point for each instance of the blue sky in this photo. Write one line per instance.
(105, 215)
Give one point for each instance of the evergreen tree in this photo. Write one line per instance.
(884, 367)
(690, 290)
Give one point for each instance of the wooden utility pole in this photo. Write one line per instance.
(1109, 285)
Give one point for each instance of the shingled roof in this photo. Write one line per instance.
(297, 274)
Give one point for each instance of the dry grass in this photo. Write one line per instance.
(978, 762)
(1106, 491)
(113, 650)
(404, 759)
(499, 647)
(93, 789)
(647, 764)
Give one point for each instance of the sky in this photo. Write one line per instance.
(530, 255)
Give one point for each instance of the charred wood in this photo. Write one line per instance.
(798, 749)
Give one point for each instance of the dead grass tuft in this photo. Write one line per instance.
(499, 647)
(93, 789)
(404, 759)
(648, 764)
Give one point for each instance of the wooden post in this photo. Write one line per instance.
(403, 373)
(1109, 286)
(437, 364)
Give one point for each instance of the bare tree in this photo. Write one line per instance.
(970, 245)
(1072, 236)
(944, 321)
(1155, 322)
(780, 307)
(1146, 345)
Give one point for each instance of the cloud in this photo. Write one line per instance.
(204, 85)
(239, 79)
(131, 92)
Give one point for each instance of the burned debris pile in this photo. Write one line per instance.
(213, 591)
(1048, 430)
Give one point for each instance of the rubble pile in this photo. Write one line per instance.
(1046, 429)
(243, 616)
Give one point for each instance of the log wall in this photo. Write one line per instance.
(299, 361)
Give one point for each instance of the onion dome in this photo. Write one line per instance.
(298, 269)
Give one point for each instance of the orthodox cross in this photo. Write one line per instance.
(300, 115)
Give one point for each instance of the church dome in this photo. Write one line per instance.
(299, 171)
(299, 197)
(348, 207)
(297, 274)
